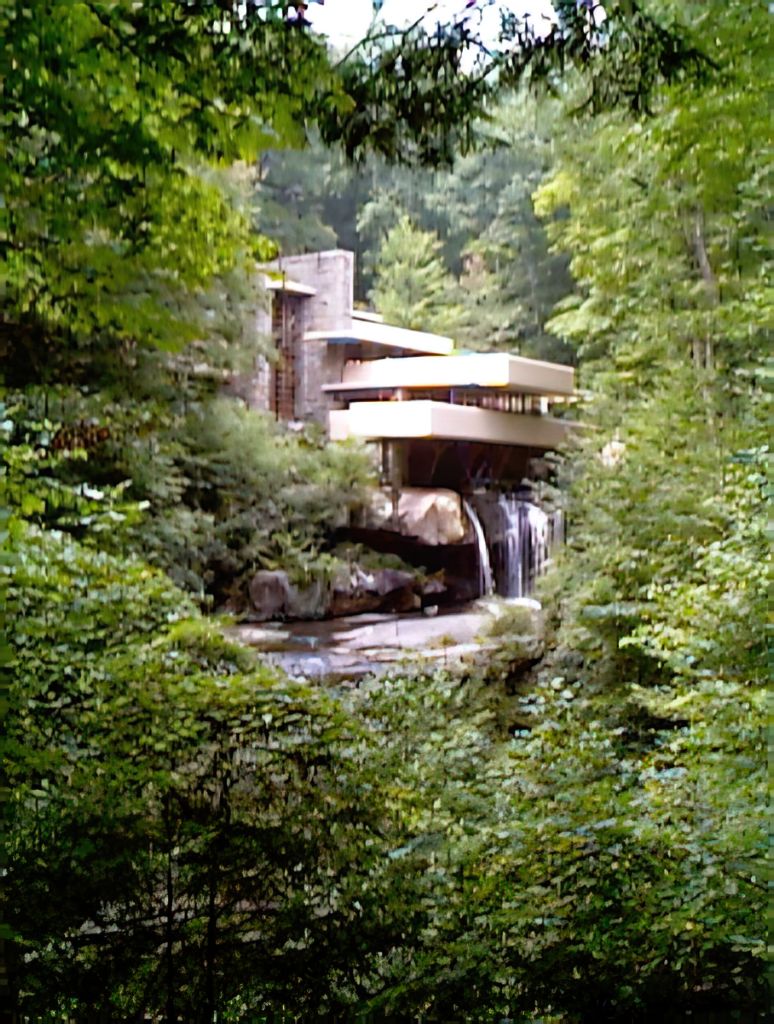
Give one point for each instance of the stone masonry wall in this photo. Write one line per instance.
(332, 275)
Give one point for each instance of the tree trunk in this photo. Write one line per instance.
(210, 994)
(702, 349)
(704, 357)
(222, 809)
(169, 925)
(9, 1001)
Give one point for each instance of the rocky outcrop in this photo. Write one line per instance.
(309, 602)
(352, 591)
(269, 595)
(430, 516)
(382, 590)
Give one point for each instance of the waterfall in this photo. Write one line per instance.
(520, 537)
(524, 545)
(485, 576)
(515, 540)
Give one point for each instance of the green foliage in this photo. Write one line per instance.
(669, 256)
(221, 838)
(655, 707)
(504, 876)
(569, 869)
(624, 51)
(109, 218)
(266, 497)
(174, 795)
(666, 564)
(225, 490)
(115, 118)
(666, 224)
(708, 621)
(513, 621)
(511, 280)
(370, 560)
(189, 834)
(291, 190)
(412, 288)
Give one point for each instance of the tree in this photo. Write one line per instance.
(113, 214)
(191, 809)
(224, 841)
(114, 116)
(660, 599)
(512, 280)
(667, 249)
(291, 191)
(412, 288)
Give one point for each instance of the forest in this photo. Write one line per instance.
(191, 835)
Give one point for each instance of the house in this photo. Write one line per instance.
(443, 418)
(455, 433)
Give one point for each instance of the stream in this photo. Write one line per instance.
(348, 649)
(514, 539)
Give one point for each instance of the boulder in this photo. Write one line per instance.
(385, 581)
(269, 594)
(345, 602)
(403, 600)
(352, 591)
(435, 585)
(398, 589)
(431, 516)
(358, 591)
(309, 602)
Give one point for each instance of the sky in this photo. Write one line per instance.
(347, 21)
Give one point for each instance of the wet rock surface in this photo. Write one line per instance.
(269, 595)
(353, 591)
(353, 647)
(392, 590)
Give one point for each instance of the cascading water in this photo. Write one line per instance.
(520, 537)
(525, 544)
(485, 575)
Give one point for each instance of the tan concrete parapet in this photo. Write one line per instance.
(494, 370)
(374, 333)
(440, 420)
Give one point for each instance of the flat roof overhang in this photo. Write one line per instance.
(441, 421)
(367, 314)
(281, 283)
(495, 371)
(384, 336)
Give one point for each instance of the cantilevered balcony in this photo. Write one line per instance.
(443, 421)
(495, 372)
(368, 337)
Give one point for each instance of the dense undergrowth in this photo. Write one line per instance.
(226, 491)
(584, 841)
